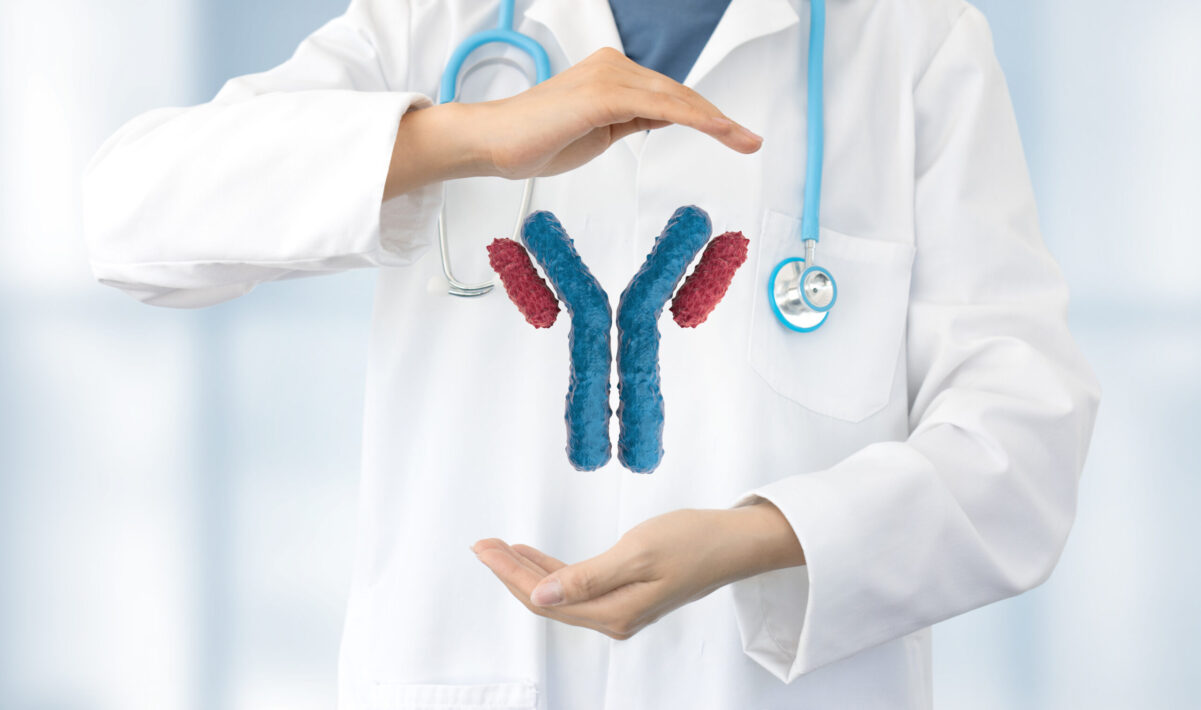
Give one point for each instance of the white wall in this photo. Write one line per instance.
(96, 601)
(1108, 96)
(176, 487)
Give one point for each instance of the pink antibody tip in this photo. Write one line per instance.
(708, 282)
(526, 288)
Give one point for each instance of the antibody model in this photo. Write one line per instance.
(641, 409)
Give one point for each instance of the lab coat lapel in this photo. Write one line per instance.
(581, 27)
(743, 21)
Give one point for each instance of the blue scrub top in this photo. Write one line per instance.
(666, 35)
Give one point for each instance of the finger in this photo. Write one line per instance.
(615, 604)
(619, 613)
(636, 76)
(538, 557)
(641, 103)
(640, 77)
(615, 72)
(490, 543)
(507, 565)
(513, 568)
(555, 614)
(529, 562)
(617, 131)
(592, 578)
(581, 582)
(517, 592)
(504, 564)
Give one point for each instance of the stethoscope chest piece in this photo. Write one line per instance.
(801, 296)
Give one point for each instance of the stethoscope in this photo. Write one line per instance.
(505, 34)
(800, 292)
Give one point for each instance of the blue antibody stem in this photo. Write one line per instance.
(588, 410)
(640, 410)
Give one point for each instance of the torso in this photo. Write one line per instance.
(465, 434)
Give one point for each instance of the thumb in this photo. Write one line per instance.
(585, 580)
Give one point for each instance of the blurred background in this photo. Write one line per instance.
(177, 488)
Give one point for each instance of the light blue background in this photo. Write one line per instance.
(177, 488)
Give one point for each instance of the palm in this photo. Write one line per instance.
(547, 155)
(583, 149)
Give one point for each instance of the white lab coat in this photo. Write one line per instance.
(925, 444)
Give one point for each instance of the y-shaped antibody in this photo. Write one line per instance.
(640, 443)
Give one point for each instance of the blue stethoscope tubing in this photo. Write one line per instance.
(814, 164)
(505, 34)
(815, 106)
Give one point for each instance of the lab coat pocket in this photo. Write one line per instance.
(845, 368)
(517, 695)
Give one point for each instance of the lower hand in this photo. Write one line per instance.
(655, 567)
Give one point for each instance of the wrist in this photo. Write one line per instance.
(763, 539)
(434, 144)
(461, 133)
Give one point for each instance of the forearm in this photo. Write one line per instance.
(435, 144)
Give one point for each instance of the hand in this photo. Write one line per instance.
(552, 127)
(655, 567)
(576, 115)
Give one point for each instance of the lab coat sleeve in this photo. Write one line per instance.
(280, 175)
(975, 505)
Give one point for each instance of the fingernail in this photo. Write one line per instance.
(548, 593)
(752, 134)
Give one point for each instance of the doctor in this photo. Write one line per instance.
(825, 497)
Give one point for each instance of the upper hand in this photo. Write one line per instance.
(655, 567)
(576, 115)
